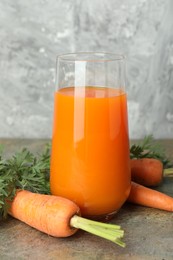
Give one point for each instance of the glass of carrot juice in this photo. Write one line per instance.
(90, 162)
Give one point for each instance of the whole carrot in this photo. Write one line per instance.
(58, 217)
(40, 211)
(144, 196)
(147, 171)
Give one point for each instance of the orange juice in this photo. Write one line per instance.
(90, 148)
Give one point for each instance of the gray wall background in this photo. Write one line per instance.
(33, 32)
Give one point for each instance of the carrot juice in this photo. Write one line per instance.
(90, 148)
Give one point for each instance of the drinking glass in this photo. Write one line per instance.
(90, 162)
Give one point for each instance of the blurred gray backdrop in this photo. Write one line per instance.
(33, 33)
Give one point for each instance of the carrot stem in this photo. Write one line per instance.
(105, 225)
(118, 233)
(108, 231)
(168, 172)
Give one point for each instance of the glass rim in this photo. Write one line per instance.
(77, 56)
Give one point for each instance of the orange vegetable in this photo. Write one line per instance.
(49, 214)
(58, 217)
(147, 171)
(144, 196)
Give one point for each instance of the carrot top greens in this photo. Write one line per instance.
(26, 171)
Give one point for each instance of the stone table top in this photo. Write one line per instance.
(148, 232)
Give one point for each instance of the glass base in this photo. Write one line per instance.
(102, 218)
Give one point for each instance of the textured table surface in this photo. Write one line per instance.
(148, 232)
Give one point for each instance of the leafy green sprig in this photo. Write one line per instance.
(23, 171)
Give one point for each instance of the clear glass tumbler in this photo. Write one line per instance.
(90, 162)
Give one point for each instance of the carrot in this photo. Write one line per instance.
(147, 171)
(58, 217)
(144, 196)
(40, 211)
